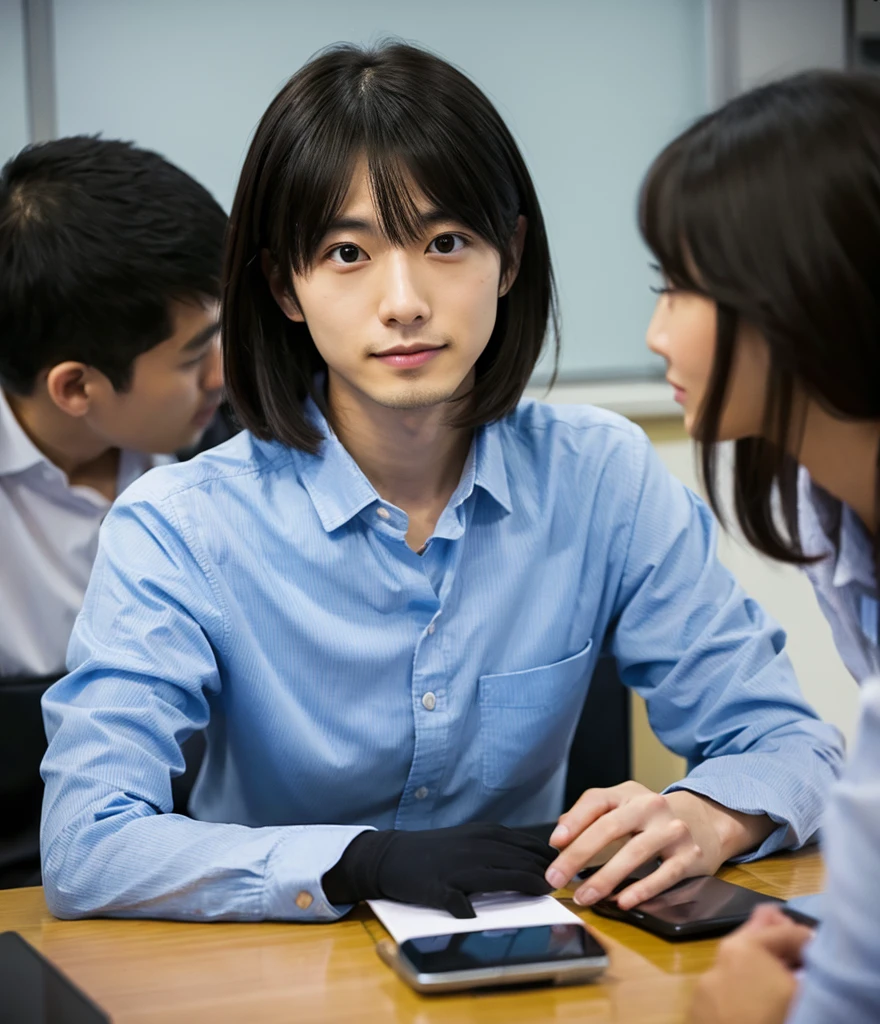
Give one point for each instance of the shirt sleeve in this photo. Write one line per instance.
(842, 981)
(711, 665)
(143, 675)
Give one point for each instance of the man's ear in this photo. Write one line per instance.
(286, 302)
(70, 386)
(517, 241)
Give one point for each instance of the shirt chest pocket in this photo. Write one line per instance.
(527, 718)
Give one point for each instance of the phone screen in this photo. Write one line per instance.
(703, 899)
(32, 991)
(500, 947)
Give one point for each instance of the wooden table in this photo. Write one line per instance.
(159, 971)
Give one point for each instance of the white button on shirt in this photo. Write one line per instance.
(429, 701)
(49, 534)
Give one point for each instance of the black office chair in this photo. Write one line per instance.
(22, 745)
(601, 752)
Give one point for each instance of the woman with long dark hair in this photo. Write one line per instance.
(764, 218)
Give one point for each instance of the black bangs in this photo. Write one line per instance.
(433, 145)
(430, 143)
(662, 210)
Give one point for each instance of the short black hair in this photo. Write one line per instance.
(413, 117)
(97, 238)
(770, 206)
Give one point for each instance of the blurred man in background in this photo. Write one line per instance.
(109, 364)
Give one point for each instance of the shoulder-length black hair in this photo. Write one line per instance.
(413, 117)
(770, 206)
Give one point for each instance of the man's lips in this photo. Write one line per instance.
(407, 357)
(206, 415)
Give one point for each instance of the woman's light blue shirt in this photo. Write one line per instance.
(842, 980)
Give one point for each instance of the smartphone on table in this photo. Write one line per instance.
(695, 908)
(554, 954)
(34, 991)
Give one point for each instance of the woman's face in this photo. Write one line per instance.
(682, 331)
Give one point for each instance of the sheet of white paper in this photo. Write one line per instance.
(494, 910)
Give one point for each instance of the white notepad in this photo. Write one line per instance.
(494, 910)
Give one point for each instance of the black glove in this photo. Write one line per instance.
(439, 867)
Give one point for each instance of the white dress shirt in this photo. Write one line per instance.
(48, 541)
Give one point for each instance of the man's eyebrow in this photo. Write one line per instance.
(437, 216)
(427, 217)
(351, 224)
(204, 336)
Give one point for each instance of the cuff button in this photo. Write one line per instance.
(304, 900)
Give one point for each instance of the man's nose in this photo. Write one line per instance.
(212, 379)
(403, 299)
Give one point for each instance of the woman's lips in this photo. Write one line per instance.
(678, 393)
(409, 360)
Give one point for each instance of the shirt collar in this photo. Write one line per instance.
(855, 556)
(850, 551)
(491, 470)
(339, 490)
(17, 451)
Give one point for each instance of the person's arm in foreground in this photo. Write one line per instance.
(720, 691)
(842, 977)
(753, 979)
(144, 665)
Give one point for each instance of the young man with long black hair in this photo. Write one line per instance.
(385, 599)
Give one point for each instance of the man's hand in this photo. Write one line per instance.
(692, 835)
(752, 981)
(439, 867)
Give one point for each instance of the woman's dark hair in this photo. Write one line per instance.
(414, 118)
(97, 238)
(770, 206)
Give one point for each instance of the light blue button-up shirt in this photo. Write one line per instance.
(843, 580)
(347, 682)
(842, 979)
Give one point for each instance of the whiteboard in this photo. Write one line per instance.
(592, 89)
(13, 95)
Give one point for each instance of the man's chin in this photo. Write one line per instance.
(419, 397)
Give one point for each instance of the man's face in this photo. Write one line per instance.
(399, 327)
(175, 389)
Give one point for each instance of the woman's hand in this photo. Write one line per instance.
(752, 981)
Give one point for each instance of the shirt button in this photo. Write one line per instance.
(421, 793)
(304, 900)
(431, 628)
(429, 701)
(383, 513)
